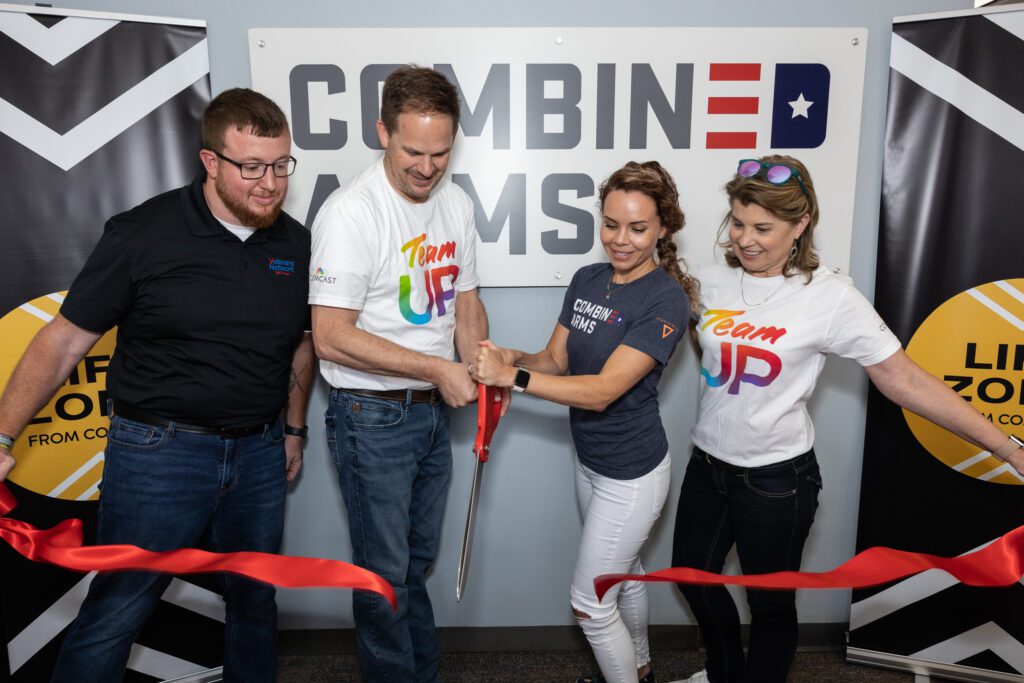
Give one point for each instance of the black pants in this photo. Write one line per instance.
(766, 512)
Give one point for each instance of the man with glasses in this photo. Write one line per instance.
(207, 286)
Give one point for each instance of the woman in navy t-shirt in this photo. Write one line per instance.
(619, 325)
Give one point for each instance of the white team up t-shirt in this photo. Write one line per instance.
(401, 264)
(761, 360)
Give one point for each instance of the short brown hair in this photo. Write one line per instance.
(789, 201)
(419, 90)
(247, 111)
(652, 180)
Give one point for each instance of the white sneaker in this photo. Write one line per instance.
(699, 677)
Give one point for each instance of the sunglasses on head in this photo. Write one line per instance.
(776, 174)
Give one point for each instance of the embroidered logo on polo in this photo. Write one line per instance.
(438, 281)
(586, 315)
(741, 363)
(280, 266)
(320, 275)
(60, 452)
(973, 341)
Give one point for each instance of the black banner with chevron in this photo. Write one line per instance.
(950, 283)
(98, 113)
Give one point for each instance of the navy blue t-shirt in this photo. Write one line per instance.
(627, 439)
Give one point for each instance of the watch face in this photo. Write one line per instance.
(522, 379)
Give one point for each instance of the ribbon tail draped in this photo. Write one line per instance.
(998, 564)
(62, 546)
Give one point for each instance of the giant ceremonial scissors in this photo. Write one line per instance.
(488, 414)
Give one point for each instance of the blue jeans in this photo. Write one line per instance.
(767, 513)
(394, 463)
(165, 489)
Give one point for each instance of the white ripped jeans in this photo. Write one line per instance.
(617, 519)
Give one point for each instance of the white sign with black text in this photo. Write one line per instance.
(549, 113)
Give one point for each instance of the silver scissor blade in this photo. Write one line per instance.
(467, 535)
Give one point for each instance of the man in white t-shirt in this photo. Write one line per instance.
(393, 285)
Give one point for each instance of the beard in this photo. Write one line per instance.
(248, 217)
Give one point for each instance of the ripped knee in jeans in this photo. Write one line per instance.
(580, 614)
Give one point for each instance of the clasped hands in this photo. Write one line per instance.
(492, 365)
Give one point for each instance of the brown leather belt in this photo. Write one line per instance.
(431, 396)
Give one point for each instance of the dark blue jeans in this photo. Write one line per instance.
(394, 463)
(165, 489)
(766, 512)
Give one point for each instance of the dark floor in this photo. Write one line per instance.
(564, 667)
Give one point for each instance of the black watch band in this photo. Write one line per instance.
(296, 431)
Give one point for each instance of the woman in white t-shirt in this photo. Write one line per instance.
(766, 321)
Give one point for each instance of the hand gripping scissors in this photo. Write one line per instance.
(488, 414)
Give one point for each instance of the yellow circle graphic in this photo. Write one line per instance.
(975, 343)
(60, 453)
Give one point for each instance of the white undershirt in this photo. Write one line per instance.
(240, 231)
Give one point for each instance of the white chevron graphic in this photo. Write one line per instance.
(37, 312)
(997, 309)
(47, 625)
(1011, 21)
(975, 641)
(971, 461)
(57, 43)
(951, 86)
(1010, 289)
(906, 592)
(61, 613)
(160, 665)
(69, 149)
(996, 469)
(195, 599)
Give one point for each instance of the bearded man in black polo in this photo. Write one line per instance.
(207, 286)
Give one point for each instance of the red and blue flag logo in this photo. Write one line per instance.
(799, 111)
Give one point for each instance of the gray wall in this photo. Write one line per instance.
(528, 525)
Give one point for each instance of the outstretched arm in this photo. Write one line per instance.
(906, 384)
(623, 369)
(49, 359)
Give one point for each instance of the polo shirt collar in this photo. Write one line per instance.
(202, 222)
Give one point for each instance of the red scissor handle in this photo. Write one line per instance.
(487, 416)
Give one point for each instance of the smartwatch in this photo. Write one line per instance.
(296, 431)
(522, 380)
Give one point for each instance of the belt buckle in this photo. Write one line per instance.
(435, 397)
(232, 432)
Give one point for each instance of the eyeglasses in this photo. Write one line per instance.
(254, 170)
(776, 174)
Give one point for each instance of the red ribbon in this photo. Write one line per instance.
(62, 546)
(998, 564)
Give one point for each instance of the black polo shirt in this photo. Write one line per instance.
(206, 324)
